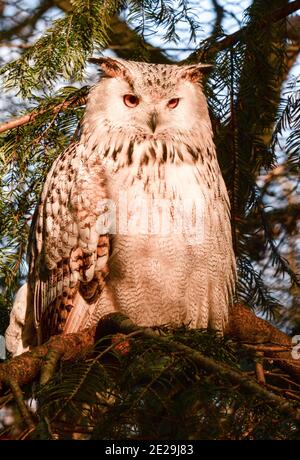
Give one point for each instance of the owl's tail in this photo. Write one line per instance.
(14, 337)
(22, 334)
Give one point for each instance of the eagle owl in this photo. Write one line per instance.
(134, 217)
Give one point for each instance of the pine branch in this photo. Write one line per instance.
(255, 70)
(244, 326)
(202, 55)
(62, 51)
(123, 39)
(32, 116)
(236, 377)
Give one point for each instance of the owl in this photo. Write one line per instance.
(134, 217)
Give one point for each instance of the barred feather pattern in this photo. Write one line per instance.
(132, 218)
(67, 254)
(179, 277)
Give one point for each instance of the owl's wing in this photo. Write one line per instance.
(68, 250)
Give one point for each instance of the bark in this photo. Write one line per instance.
(26, 367)
(31, 117)
(244, 326)
(248, 328)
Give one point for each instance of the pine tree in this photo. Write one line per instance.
(161, 388)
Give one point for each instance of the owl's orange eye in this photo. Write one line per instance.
(131, 100)
(173, 103)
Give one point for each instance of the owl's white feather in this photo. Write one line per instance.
(13, 334)
(140, 197)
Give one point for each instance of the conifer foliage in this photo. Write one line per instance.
(157, 388)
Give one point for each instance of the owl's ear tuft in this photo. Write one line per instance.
(111, 67)
(196, 72)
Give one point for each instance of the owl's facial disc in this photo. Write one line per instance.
(150, 101)
(138, 120)
(151, 112)
(132, 101)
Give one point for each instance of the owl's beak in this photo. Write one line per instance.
(152, 122)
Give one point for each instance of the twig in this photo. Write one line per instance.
(123, 324)
(64, 427)
(284, 391)
(25, 434)
(259, 368)
(282, 377)
(16, 45)
(267, 348)
(30, 20)
(18, 396)
(292, 395)
(6, 399)
(30, 117)
(233, 38)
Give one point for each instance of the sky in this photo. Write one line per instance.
(233, 20)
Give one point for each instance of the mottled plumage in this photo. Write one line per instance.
(134, 217)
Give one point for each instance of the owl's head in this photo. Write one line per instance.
(150, 101)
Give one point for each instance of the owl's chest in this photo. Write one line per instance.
(161, 236)
(157, 235)
(160, 200)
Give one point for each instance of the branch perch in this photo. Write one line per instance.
(26, 367)
(244, 326)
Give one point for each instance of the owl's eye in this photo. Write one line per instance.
(173, 103)
(131, 100)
